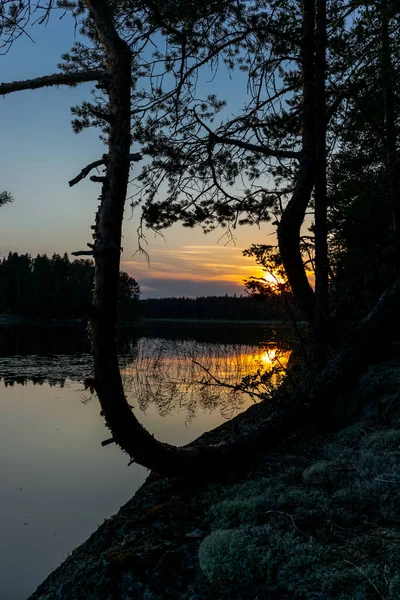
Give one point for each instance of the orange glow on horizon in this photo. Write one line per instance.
(214, 264)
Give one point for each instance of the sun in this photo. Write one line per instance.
(269, 357)
(272, 278)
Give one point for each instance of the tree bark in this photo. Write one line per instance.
(287, 413)
(126, 430)
(380, 327)
(388, 85)
(293, 215)
(321, 209)
(51, 80)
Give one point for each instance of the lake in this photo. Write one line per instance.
(57, 482)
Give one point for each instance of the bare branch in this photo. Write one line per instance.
(335, 105)
(100, 115)
(86, 170)
(108, 442)
(258, 149)
(97, 163)
(50, 80)
(220, 383)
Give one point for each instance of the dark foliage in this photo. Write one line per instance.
(55, 288)
(211, 307)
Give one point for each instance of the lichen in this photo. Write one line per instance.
(235, 558)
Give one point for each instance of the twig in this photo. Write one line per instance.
(236, 388)
(366, 577)
(394, 398)
(280, 512)
(108, 442)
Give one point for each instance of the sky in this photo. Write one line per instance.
(39, 153)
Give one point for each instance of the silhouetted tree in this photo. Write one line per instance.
(292, 72)
(55, 288)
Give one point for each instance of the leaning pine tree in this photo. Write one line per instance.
(176, 132)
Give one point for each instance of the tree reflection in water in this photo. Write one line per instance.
(188, 375)
(183, 369)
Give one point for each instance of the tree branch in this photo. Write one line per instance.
(49, 80)
(258, 149)
(97, 163)
(220, 383)
(331, 110)
(265, 150)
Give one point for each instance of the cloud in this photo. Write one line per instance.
(222, 268)
(162, 288)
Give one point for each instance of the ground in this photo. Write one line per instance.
(317, 518)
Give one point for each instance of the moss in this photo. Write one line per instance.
(317, 519)
(394, 588)
(319, 473)
(233, 513)
(386, 439)
(380, 379)
(235, 558)
(328, 517)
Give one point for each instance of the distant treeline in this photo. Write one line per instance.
(211, 307)
(55, 288)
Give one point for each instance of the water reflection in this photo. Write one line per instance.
(58, 483)
(173, 372)
(192, 376)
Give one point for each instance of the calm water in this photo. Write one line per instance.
(57, 482)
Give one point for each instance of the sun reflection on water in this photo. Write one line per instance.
(183, 375)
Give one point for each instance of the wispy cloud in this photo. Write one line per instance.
(219, 265)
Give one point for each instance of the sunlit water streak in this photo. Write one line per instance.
(187, 376)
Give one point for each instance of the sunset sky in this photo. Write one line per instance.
(39, 153)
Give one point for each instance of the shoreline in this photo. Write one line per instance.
(314, 516)
(12, 320)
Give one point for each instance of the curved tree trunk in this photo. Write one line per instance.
(127, 432)
(293, 215)
(286, 415)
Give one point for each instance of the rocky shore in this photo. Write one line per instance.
(316, 518)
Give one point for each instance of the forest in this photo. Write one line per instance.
(310, 144)
(59, 288)
(229, 308)
(56, 288)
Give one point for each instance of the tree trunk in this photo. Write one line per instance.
(126, 430)
(321, 225)
(388, 84)
(293, 215)
(377, 330)
(288, 411)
